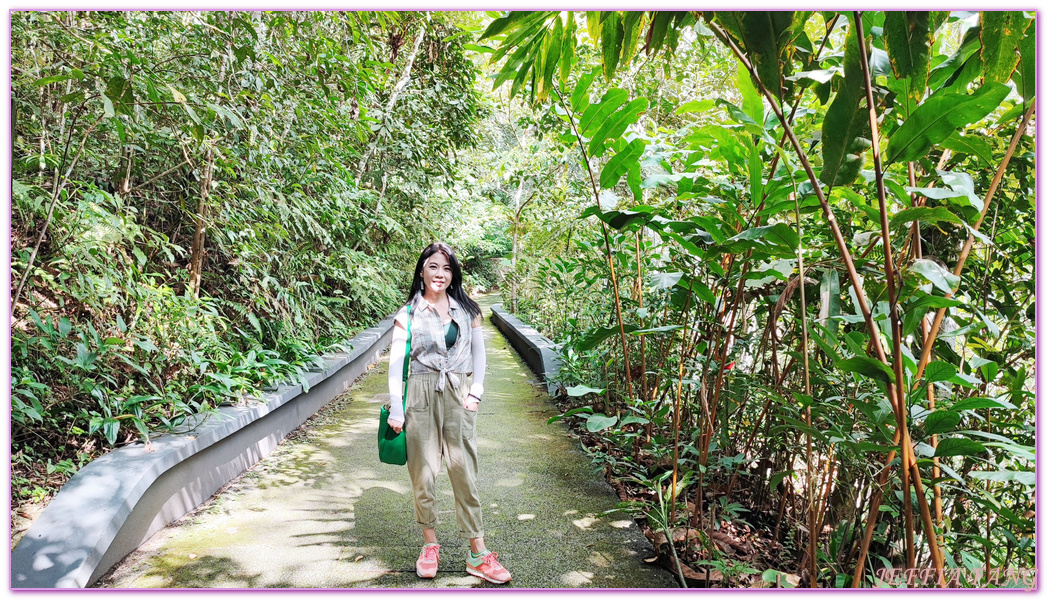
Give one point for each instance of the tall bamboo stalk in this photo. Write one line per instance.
(892, 292)
(607, 243)
(940, 315)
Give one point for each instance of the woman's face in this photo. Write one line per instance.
(436, 273)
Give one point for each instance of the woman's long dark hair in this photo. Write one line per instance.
(455, 290)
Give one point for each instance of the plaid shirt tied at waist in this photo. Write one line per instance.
(429, 352)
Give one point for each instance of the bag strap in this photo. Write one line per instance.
(407, 356)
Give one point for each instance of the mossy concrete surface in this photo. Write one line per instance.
(323, 512)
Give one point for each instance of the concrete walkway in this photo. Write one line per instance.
(322, 512)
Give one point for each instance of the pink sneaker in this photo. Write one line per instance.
(490, 569)
(428, 561)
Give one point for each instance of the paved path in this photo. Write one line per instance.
(322, 512)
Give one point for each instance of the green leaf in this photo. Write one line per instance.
(614, 125)
(779, 234)
(52, 79)
(938, 117)
(781, 579)
(936, 274)
(766, 37)
(869, 367)
(111, 429)
(571, 413)
(664, 281)
(973, 145)
(930, 214)
(567, 52)
(1025, 76)
(845, 129)
(146, 344)
(612, 32)
(624, 219)
(1002, 30)
(580, 95)
(64, 326)
(906, 36)
(656, 33)
(977, 404)
(829, 298)
(595, 115)
(752, 100)
(581, 390)
(598, 335)
(662, 329)
(695, 106)
(941, 421)
(599, 422)
(506, 23)
(548, 60)
(620, 163)
(631, 33)
(958, 447)
(1027, 478)
(939, 371)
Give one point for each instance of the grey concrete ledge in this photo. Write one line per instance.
(115, 503)
(538, 351)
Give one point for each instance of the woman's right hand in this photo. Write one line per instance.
(396, 426)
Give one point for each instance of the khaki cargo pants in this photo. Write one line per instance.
(438, 427)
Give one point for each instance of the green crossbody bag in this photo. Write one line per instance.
(392, 446)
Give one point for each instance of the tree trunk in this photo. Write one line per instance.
(399, 87)
(196, 259)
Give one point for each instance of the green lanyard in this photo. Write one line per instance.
(407, 355)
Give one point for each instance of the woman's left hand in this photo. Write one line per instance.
(472, 405)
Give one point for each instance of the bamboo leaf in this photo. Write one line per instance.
(580, 95)
(1027, 478)
(969, 144)
(612, 31)
(656, 34)
(631, 32)
(869, 367)
(940, 421)
(938, 117)
(846, 130)
(620, 163)
(568, 50)
(596, 114)
(933, 214)
(507, 23)
(977, 404)
(907, 37)
(581, 390)
(829, 291)
(939, 371)
(1025, 76)
(936, 274)
(614, 125)
(1002, 30)
(664, 281)
(599, 422)
(958, 447)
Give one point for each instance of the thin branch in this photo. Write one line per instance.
(50, 212)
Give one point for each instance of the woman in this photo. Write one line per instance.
(444, 390)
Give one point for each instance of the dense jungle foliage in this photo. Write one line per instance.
(788, 256)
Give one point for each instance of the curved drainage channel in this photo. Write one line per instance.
(117, 502)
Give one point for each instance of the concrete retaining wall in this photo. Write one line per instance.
(115, 503)
(538, 351)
